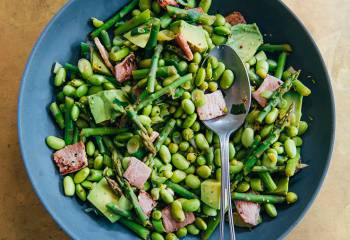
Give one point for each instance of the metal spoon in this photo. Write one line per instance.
(239, 93)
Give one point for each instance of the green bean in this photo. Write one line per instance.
(166, 196)
(119, 55)
(218, 71)
(101, 131)
(280, 65)
(290, 148)
(80, 192)
(134, 22)
(251, 197)
(270, 209)
(69, 91)
(262, 68)
(182, 232)
(188, 106)
(55, 143)
(200, 76)
(227, 79)
(106, 40)
(301, 88)
(181, 191)
(193, 67)
(192, 229)
(275, 47)
(68, 186)
(60, 77)
(192, 181)
(268, 181)
(291, 197)
(138, 229)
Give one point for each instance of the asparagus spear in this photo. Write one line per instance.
(57, 114)
(134, 22)
(259, 169)
(69, 127)
(152, 41)
(190, 15)
(181, 191)
(280, 65)
(117, 210)
(291, 165)
(212, 225)
(100, 131)
(252, 197)
(275, 47)
(139, 230)
(268, 181)
(161, 72)
(276, 97)
(164, 133)
(151, 80)
(109, 23)
(148, 100)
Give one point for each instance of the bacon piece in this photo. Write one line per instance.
(248, 211)
(183, 44)
(270, 83)
(164, 3)
(171, 225)
(146, 202)
(104, 54)
(71, 158)
(235, 18)
(137, 173)
(123, 70)
(214, 106)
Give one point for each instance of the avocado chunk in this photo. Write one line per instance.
(296, 99)
(102, 104)
(210, 193)
(102, 194)
(194, 35)
(139, 40)
(245, 39)
(97, 64)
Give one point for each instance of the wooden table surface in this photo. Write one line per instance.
(23, 217)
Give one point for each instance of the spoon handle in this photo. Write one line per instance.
(225, 200)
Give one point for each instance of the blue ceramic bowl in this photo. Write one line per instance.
(60, 42)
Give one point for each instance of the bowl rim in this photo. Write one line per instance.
(60, 221)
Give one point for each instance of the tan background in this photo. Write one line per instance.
(23, 217)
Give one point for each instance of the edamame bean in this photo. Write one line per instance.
(75, 111)
(292, 131)
(270, 209)
(188, 106)
(187, 134)
(237, 136)
(235, 167)
(156, 214)
(201, 142)
(219, 20)
(290, 148)
(190, 170)
(60, 77)
(96, 80)
(87, 185)
(157, 236)
(196, 126)
(55, 143)
(201, 160)
(85, 68)
(198, 98)
(178, 176)
(303, 126)
(155, 193)
(208, 72)
(184, 146)
(80, 192)
(192, 181)
(217, 157)
(145, 4)
(218, 40)
(201, 224)
(95, 175)
(192, 229)
(211, 212)
(193, 67)
(166, 196)
(119, 54)
(176, 211)
(182, 232)
(68, 186)
(179, 161)
(165, 154)
(227, 79)
(173, 147)
(176, 137)
(212, 86)
(200, 77)
(271, 116)
(204, 171)
(98, 162)
(191, 205)
(81, 175)
(218, 71)
(82, 91)
(256, 184)
(298, 141)
(189, 121)
(69, 91)
(243, 187)
(197, 58)
(261, 56)
(222, 30)
(266, 130)
(171, 236)
(96, 22)
(232, 151)
(247, 137)
(262, 68)
(272, 65)
(291, 197)
(191, 157)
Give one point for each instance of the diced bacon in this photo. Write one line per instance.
(214, 106)
(104, 54)
(270, 83)
(248, 211)
(137, 173)
(171, 225)
(123, 70)
(183, 44)
(154, 136)
(235, 18)
(71, 158)
(164, 3)
(146, 202)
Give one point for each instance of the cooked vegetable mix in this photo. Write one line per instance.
(133, 146)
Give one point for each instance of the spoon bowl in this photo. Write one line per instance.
(239, 93)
